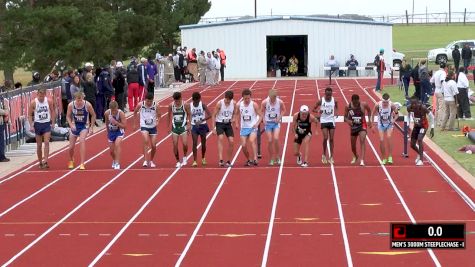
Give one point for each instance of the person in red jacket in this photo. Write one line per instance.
(192, 63)
(222, 57)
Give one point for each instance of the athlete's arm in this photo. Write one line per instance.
(122, 124)
(259, 114)
(52, 111)
(431, 121)
(158, 114)
(368, 111)
(375, 110)
(106, 117)
(207, 112)
(68, 116)
(31, 114)
(347, 120)
(215, 114)
(136, 112)
(91, 111)
(314, 119)
(188, 116)
(336, 109)
(237, 113)
(317, 105)
(295, 123)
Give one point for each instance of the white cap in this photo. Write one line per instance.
(304, 108)
(88, 64)
(119, 64)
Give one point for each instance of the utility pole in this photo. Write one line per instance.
(412, 11)
(255, 8)
(450, 11)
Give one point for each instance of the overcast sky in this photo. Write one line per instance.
(228, 8)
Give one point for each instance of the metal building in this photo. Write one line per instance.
(250, 43)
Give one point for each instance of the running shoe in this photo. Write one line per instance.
(248, 163)
(362, 163)
(271, 162)
(324, 159)
(353, 161)
(82, 167)
(384, 161)
(113, 164)
(299, 159)
(228, 164)
(221, 163)
(279, 162)
(71, 164)
(254, 162)
(45, 165)
(195, 164)
(145, 164)
(390, 160)
(417, 159)
(331, 161)
(305, 164)
(117, 166)
(178, 165)
(419, 163)
(259, 156)
(151, 164)
(203, 162)
(183, 162)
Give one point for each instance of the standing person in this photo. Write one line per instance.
(210, 66)
(133, 89)
(416, 81)
(424, 78)
(143, 78)
(148, 113)
(199, 115)
(405, 73)
(115, 125)
(273, 109)
(223, 116)
(466, 56)
(3, 121)
(168, 70)
(326, 109)
(66, 96)
(152, 71)
(250, 116)
(105, 91)
(293, 65)
(303, 133)
(88, 68)
(202, 65)
(386, 113)
(450, 92)
(419, 112)
(217, 67)
(75, 86)
(77, 116)
(456, 57)
(380, 68)
(222, 58)
(179, 125)
(42, 116)
(462, 96)
(355, 117)
(90, 90)
(192, 63)
(439, 78)
(119, 84)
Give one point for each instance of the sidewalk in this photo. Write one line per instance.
(29, 156)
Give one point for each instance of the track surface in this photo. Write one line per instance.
(208, 216)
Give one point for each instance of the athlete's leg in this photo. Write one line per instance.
(175, 147)
(362, 136)
(244, 146)
(332, 143)
(252, 140)
(145, 145)
(203, 145)
(389, 135)
(382, 143)
(184, 140)
(220, 146)
(353, 145)
(82, 144)
(306, 146)
(194, 137)
(276, 135)
(39, 148)
(230, 147)
(118, 149)
(153, 145)
(72, 143)
(270, 144)
(46, 138)
(325, 133)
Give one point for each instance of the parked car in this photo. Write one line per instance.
(440, 55)
(397, 58)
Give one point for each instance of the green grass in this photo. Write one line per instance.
(20, 75)
(415, 41)
(446, 140)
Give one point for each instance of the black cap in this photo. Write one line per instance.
(442, 65)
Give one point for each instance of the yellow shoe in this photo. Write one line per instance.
(194, 164)
(82, 167)
(203, 162)
(71, 164)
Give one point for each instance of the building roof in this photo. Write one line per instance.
(276, 18)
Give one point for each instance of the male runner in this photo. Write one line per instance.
(355, 117)
(303, 133)
(273, 109)
(387, 114)
(115, 123)
(326, 109)
(179, 125)
(250, 116)
(77, 115)
(419, 113)
(199, 115)
(223, 116)
(149, 115)
(41, 118)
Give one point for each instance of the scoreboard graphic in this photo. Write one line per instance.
(434, 236)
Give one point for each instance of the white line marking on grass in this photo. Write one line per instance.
(391, 181)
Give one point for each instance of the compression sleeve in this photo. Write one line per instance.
(431, 118)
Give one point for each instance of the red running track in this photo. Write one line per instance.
(320, 216)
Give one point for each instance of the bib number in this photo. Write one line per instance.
(357, 120)
(149, 122)
(246, 118)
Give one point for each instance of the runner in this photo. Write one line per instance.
(387, 114)
(303, 133)
(115, 123)
(223, 116)
(179, 125)
(419, 113)
(355, 117)
(273, 109)
(326, 109)
(77, 115)
(250, 116)
(199, 115)
(149, 118)
(41, 118)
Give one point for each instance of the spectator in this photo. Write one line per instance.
(467, 57)
(222, 62)
(7, 86)
(416, 81)
(105, 92)
(283, 65)
(274, 63)
(75, 86)
(88, 68)
(380, 68)
(152, 71)
(293, 65)
(192, 62)
(18, 85)
(66, 91)
(119, 84)
(3, 121)
(210, 69)
(182, 65)
(405, 76)
(133, 87)
(53, 76)
(332, 63)
(202, 65)
(143, 77)
(168, 70)
(439, 78)
(176, 68)
(352, 63)
(132, 64)
(462, 97)
(36, 79)
(424, 78)
(90, 90)
(450, 100)
(217, 67)
(456, 57)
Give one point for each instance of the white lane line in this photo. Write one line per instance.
(210, 204)
(326, 234)
(34, 164)
(277, 188)
(306, 234)
(391, 181)
(144, 235)
(149, 200)
(163, 235)
(83, 234)
(181, 235)
(67, 174)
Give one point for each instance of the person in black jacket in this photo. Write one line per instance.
(405, 76)
(119, 83)
(90, 90)
(133, 87)
(456, 57)
(416, 81)
(467, 57)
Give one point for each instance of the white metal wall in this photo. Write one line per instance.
(245, 43)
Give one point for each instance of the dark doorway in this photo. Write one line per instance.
(287, 45)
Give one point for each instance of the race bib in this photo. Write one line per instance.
(178, 118)
(385, 117)
(43, 116)
(421, 131)
(300, 130)
(356, 120)
(417, 120)
(246, 118)
(272, 116)
(149, 122)
(226, 120)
